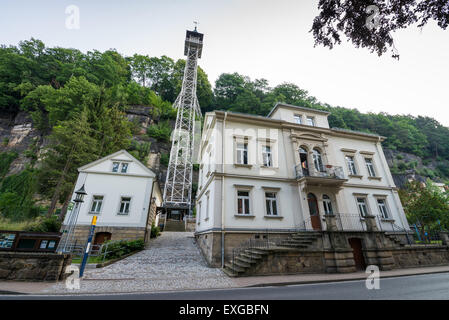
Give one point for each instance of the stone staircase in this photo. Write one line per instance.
(174, 225)
(250, 257)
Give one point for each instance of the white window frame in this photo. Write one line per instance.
(267, 155)
(297, 118)
(365, 202)
(241, 151)
(113, 165)
(124, 165)
(372, 172)
(327, 203)
(318, 159)
(311, 120)
(120, 205)
(271, 203)
(243, 198)
(383, 215)
(350, 160)
(199, 212)
(95, 201)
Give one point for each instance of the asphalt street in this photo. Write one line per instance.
(429, 286)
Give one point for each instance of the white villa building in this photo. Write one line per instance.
(286, 172)
(123, 193)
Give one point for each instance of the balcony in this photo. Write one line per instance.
(329, 175)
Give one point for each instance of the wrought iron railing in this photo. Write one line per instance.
(327, 171)
(350, 222)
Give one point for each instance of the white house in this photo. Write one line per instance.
(123, 193)
(286, 172)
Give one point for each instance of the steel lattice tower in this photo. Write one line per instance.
(178, 183)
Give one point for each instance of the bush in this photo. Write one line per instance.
(117, 249)
(160, 131)
(51, 224)
(155, 231)
(165, 158)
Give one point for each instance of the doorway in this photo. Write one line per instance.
(102, 237)
(356, 245)
(314, 212)
(304, 162)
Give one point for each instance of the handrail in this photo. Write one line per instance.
(327, 171)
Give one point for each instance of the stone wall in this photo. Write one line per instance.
(32, 266)
(290, 261)
(417, 256)
(117, 233)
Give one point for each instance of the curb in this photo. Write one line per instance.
(280, 284)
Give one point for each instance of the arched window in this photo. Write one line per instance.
(317, 160)
(327, 204)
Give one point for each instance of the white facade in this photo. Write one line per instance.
(256, 162)
(119, 190)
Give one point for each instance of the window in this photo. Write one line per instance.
(310, 121)
(297, 118)
(243, 202)
(242, 153)
(370, 167)
(124, 205)
(327, 203)
(97, 201)
(199, 212)
(122, 165)
(381, 203)
(267, 156)
(271, 204)
(115, 166)
(363, 209)
(351, 165)
(317, 160)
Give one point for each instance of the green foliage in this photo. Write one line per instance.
(425, 204)
(6, 158)
(165, 158)
(155, 231)
(16, 196)
(160, 131)
(49, 224)
(140, 150)
(117, 249)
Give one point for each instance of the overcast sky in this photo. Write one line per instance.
(257, 38)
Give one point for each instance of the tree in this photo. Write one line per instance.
(349, 18)
(425, 205)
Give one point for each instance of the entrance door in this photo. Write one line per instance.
(102, 237)
(356, 245)
(313, 210)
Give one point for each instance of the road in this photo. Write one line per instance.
(430, 286)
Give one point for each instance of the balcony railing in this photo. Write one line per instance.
(327, 171)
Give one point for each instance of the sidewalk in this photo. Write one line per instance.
(16, 287)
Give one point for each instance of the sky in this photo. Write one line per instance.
(256, 38)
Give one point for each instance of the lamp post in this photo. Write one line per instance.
(64, 246)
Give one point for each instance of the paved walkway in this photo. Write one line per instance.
(171, 262)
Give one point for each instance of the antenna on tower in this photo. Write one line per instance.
(196, 25)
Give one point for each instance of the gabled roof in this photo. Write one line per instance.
(281, 104)
(112, 156)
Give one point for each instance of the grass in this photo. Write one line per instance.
(9, 225)
(96, 259)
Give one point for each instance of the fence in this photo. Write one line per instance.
(98, 250)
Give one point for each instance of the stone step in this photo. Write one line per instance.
(234, 267)
(252, 257)
(230, 272)
(241, 263)
(246, 259)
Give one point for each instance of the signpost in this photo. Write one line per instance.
(88, 244)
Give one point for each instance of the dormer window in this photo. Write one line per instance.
(310, 121)
(115, 166)
(124, 167)
(297, 118)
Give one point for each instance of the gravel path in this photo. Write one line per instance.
(171, 262)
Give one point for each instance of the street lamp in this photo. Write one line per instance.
(64, 246)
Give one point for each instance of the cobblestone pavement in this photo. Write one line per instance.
(171, 262)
